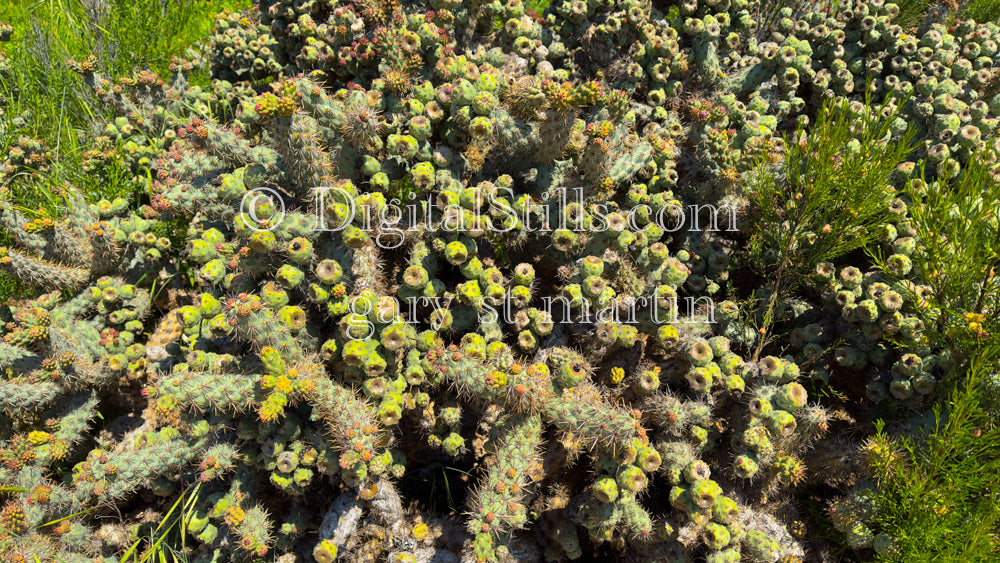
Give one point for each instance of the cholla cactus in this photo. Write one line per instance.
(391, 236)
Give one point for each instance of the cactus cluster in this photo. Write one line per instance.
(392, 236)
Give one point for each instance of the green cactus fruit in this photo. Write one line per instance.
(745, 467)
(761, 547)
(791, 397)
(632, 478)
(700, 379)
(648, 459)
(290, 276)
(716, 536)
(705, 492)
(329, 272)
(300, 250)
(772, 369)
(782, 423)
(524, 274)
(725, 511)
(568, 367)
(591, 266)
(605, 489)
(696, 471)
(700, 353)
(325, 551)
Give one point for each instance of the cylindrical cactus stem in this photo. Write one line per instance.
(254, 532)
(366, 267)
(37, 271)
(72, 245)
(18, 358)
(281, 327)
(202, 390)
(146, 455)
(498, 506)
(79, 411)
(353, 424)
(470, 376)
(636, 520)
(304, 159)
(13, 223)
(598, 423)
(22, 396)
(234, 148)
(555, 134)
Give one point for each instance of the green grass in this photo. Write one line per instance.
(168, 541)
(938, 494)
(123, 35)
(43, 99)
(54, 104)
(912, 12)
(983, 11)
